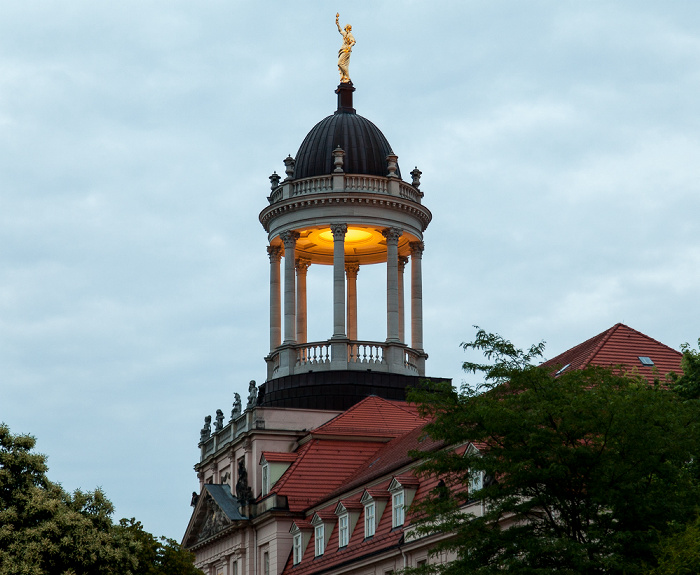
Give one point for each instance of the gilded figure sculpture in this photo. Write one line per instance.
(345, 50)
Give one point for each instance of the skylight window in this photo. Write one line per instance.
(563, 369)
(646, 360)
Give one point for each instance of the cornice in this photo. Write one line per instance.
(311, 201)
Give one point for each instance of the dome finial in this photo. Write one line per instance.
(345, 50)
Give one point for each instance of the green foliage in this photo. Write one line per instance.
(584, 471)
(678, 552)
(46, 531)
(687, 385)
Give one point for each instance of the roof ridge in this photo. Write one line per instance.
(607, 334)
(650, 338)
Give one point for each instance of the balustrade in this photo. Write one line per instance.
(351, 183)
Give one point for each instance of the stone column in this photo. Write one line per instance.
(302, 266)
(351, 270)
(403, 260)
(275, 253)
(392, 236)
(339, 231)
(290, 241)
(416, 295)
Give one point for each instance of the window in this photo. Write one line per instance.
(476, 481)
(421, 562)
(297, 548)
(265, 479)
(343, 530)
(319, 536)
(266, 563)
(397, 509)
(369, 520)
(234, 568)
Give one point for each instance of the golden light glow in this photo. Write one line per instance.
(352, 236)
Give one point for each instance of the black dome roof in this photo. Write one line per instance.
(364, 145)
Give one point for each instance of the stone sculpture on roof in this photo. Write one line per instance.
(236, 411)
(252, 395)
(205, 433)
(345, 50)
(219, 422)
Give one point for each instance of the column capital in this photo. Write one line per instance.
(351, 269)
(392, 235)
(302, 265)
(403, 260)
(417, 249)
(339, 231)
(289, 238)
(275, 253)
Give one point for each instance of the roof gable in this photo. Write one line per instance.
(216, 510)
(621, 345)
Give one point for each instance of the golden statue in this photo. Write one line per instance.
(344, 52)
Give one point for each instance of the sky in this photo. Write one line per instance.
(559, 143)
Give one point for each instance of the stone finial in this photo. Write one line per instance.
(289, 163)
(416, 174)
(338, 159)
(236, 411)
(392, 165)
(219, 422)
(274, 181)
(252, 395)
(206, 430)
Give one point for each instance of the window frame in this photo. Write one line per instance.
(296, 546)
(265, 479)
(319, 539)
(343, 530)
(398, 515)
(370, 519)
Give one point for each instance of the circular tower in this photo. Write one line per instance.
(343, 204)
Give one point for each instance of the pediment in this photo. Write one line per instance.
(216, 510)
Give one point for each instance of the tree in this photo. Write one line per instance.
(570, 472)
(45, 530)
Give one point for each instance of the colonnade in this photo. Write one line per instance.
(344, 291)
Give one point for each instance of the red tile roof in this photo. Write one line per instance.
(372, 417)
(322, 466)
(621, 345)
(277, 457)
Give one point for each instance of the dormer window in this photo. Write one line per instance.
(296, 544)
(397, 509)
(265, 479)
(402, 488)
(370, 526)
(320, 538)
(343, 530)
(301, 534)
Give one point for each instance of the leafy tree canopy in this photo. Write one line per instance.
(580, 472)
(46, 531)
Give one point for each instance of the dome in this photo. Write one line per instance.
(364, 145)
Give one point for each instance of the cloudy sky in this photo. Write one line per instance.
(559, 143)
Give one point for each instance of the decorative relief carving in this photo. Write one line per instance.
(392, 235)
(339, 231)
(275, 253)
(352, 269)
(215, 520)
(417, 249)
(403, 260)
(302, 265)
(289, 238)
(416, 210)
